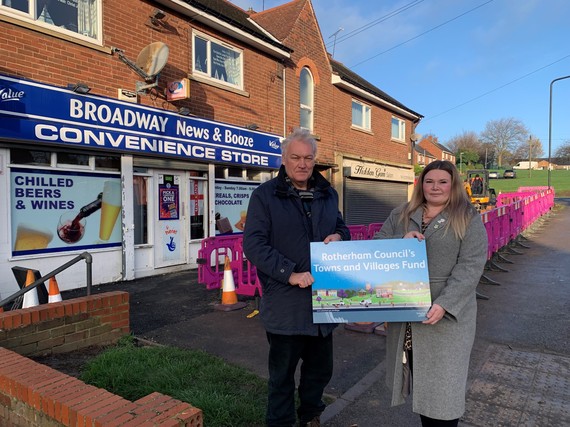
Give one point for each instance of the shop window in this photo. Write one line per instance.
(107, 163)
(20, 156)
(217, 60)
(360, 115)
(75, 17)
(30, 157)
(198, 220)
(140, 209)
(73, 159)
(306, 96)
(398, 129)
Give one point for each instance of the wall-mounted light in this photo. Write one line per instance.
(252, 126)
(184, 111)
(80, 88)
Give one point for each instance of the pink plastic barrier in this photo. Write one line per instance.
(358, 232)
(246, 280)
(514, 213)
(211, 259)
(374, 228)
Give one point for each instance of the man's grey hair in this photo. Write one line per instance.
(302, 135)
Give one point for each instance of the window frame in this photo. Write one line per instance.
(207, 75)
(366, 112)
(29, 20)
(307, 108)
(401, 137)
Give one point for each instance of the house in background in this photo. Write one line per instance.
(439, 151)
(422, 157)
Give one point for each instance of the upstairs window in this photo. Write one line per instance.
(217, 60)
(306, 87)
(398, 129)
(72, 17)
(360, 115)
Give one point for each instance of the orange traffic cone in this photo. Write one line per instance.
(229, 296)
(54, 295)
(30, 297)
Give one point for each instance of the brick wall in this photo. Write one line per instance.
(32, 394)
(67, 325)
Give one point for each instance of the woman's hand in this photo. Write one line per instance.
(434, 314)
(414, 235)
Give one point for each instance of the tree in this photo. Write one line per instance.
(504, 136)
(467, 141)
(534, 145)
(563, 151)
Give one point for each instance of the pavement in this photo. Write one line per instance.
(520, 364)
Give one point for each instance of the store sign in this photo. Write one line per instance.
(63, 211)
(43, 114)
(367, 170)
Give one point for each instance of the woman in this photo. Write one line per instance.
(439, 347)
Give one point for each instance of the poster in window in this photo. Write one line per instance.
(56, 211)
(232, 200)
(168, 198)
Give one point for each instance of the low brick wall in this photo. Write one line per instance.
(66, 326)
(32, 394)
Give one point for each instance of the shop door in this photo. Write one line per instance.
(170, 235)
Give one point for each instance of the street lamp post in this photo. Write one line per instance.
(550, 127)
(460, 163)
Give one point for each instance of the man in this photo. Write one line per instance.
(285, 214)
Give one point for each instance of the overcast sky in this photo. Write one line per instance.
(459, 63)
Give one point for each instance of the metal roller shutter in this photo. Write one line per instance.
(367, 201)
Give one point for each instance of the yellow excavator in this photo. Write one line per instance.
(477, 187)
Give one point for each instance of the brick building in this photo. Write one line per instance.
(430, 144)
(136, 129)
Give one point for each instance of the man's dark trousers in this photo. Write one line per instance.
(285, 351)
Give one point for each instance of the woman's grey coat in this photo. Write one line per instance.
(440, 352)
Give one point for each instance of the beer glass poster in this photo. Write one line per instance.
(370, 281)
(63, 211)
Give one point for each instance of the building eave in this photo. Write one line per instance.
(225, 28)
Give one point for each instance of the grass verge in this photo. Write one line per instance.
(227, 395)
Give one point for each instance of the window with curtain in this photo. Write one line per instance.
(216, 60)
(306, 88)
(76, 17)
(360, 115)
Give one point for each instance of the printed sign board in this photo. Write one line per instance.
(370, 281)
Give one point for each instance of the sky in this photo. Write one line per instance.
(458, 63)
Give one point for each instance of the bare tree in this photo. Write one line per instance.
(503, 136)
(532, 144)
(467, 141)
(563, 151)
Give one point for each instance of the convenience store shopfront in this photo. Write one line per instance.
(137, 187)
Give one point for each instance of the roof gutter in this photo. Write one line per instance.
(339, 82)
(223, 27)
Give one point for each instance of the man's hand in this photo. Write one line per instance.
(335, 237)
(302, 280)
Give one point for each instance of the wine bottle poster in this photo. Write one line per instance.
(57, 211)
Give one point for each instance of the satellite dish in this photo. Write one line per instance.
(152, 59)
(149, 63)
(415, 137)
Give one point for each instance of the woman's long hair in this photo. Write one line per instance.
(458, 208)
